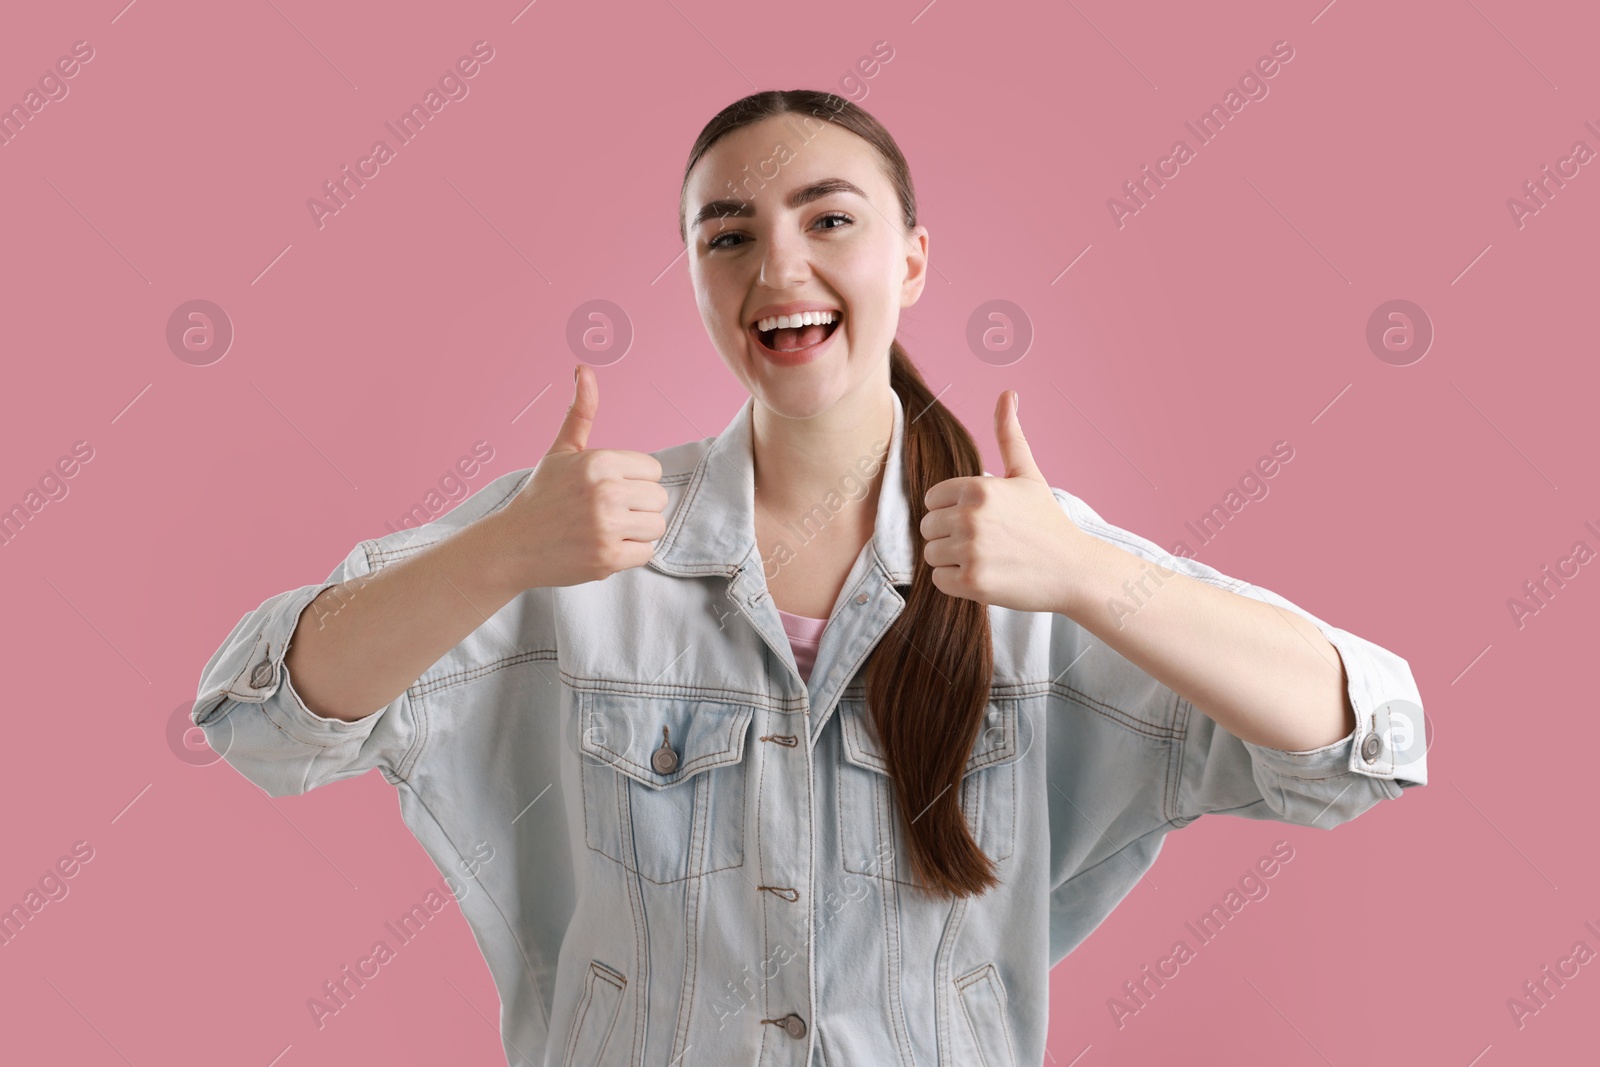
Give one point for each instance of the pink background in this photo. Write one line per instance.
(1227, 314)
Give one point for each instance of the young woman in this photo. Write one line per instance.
(812, 742)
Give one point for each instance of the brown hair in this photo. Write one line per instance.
(928, 678)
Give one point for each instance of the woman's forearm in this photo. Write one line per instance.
(361, 643)
(1265, 674)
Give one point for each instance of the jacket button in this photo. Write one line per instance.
(861, 598)
(664, 760)
(794, 1026)
(1371, 747)
(262, 675)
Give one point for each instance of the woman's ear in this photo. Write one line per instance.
(916, 266)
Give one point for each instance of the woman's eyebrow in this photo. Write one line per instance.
(721, 209)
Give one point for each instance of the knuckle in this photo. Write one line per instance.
(592, 467)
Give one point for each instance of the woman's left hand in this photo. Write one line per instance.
(1003, 541)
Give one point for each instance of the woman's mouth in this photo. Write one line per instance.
(798, 343)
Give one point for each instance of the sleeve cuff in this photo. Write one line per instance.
(1388, 741)
(253, 671)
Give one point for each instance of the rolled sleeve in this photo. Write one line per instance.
(249, 709)
(255, 719)
(1382, 756)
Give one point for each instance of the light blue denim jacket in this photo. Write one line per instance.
(696, 854)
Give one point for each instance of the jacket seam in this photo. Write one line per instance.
(942, 1000)
(1115, 714)
(426, 684)
(1162, 829)
(641, 948)
(895, 993)
(622, 792)
(694, 905)
(522, 953)
(675, 690)
(422, 730)
(1172, 803)
(379, 556)
(583, 1011)
(710, 760)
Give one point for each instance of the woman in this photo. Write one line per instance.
(811, 742)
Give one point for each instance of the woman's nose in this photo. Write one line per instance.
(784, 262)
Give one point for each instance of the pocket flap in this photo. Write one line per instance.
(624, 731)
(999, 741)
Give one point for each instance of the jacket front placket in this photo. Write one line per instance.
(783, 876)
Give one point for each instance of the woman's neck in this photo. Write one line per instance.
(799, 462)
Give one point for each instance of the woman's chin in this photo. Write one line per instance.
(793, 397)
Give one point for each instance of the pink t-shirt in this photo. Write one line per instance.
(805, 634)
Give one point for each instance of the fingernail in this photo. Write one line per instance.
(574, 375)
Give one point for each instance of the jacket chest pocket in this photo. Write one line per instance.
(871, 840)
(663, 782)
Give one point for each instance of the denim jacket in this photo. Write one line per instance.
(696, 853)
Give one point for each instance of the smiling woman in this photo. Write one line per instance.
(851, 810)
(839, 239)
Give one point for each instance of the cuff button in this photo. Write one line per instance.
(262, 675)
(1371, 747)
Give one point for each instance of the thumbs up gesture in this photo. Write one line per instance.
(586, 513)
(1003, 541)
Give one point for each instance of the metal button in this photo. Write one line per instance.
(861, 598)
(262, 675)
(663, 759)
(1371, 747)
(794, 1026)
(994, 715)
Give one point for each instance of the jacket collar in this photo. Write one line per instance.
(713, 529)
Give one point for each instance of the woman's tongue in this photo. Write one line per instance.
(795, 337)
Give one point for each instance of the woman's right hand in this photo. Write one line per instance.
(586, 513)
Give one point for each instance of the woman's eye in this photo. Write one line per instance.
(720, 241)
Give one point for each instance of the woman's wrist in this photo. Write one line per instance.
(498, 568)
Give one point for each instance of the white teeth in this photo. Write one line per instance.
(805, 318)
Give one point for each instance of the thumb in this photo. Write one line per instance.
(1014, 451)
(574, 433)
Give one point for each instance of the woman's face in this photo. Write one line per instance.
(844, 249)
